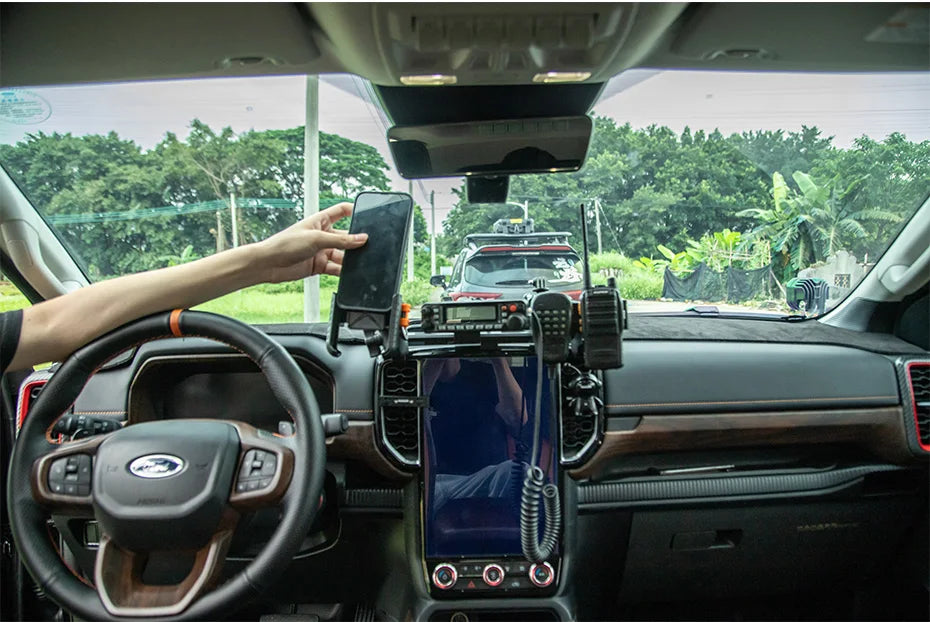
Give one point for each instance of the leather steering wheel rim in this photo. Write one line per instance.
(299, 504)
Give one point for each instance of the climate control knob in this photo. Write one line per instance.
(542, 574)
(444, 576)
(493, 575)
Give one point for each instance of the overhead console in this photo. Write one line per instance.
(488, 43)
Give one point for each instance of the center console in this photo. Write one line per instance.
(485, 404)
(479, 419)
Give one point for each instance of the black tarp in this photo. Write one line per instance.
(732, 285)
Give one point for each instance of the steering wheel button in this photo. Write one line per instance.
(241, 486)
(71, 489)
(265, 482)
(268, 468)
(57, 471)
(57, 487)
(83, 489)
(257, 464)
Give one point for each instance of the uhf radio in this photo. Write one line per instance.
(602, 316)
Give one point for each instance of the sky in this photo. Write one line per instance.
(842, 105)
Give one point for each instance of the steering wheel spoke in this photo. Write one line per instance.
(62, 479)
(264, 470)
(118, 576)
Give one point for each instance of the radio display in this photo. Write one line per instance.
(483, 313)
(478, 436)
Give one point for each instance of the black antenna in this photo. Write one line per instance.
(584, 247)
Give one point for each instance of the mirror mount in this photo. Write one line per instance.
(487, 189)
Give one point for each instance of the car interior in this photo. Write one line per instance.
(681, 466)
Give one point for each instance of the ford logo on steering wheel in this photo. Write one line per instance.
(156, 466)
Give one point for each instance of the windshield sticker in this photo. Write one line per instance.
(23, 107)
(567, 272)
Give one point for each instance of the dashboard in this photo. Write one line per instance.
(709, 467)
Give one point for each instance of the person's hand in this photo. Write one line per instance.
(308, 247)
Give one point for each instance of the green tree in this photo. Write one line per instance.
(897, 178)
(784, 152)
(654, 187)
(65, 174)
(836, 223)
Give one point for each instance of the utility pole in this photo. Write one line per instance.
(220, 233)
(410, 238)
(597, 223)
(432, 237)
(235, 223)
(526, 210)
(312, 187)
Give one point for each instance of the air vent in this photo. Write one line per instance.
(28, 394)
(919, 380)
(579, 425)
(399, 410)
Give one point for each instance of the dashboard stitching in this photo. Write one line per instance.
(48, 430)
(772, 401)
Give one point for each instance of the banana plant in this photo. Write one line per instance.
(679, 263)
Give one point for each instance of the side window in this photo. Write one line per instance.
(457, 269)
(10, 296)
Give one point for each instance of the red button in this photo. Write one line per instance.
(503, 307)
(513, 308)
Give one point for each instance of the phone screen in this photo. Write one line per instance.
(371, 274)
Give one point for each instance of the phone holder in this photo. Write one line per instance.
(385, 333)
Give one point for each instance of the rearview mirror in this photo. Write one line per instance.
(505, 147)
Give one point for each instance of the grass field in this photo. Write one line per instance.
(10, 298)
(257, 305)
(250, 305)
(254, 306)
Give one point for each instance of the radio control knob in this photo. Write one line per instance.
(493, 575)
(516, 321)
(542, 574)
(444, 576)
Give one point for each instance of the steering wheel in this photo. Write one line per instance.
(166, 487)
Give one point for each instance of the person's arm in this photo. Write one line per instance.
(509, 395)
(53, 329)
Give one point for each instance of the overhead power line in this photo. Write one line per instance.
(179, 210)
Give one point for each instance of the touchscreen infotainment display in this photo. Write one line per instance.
(478, 436)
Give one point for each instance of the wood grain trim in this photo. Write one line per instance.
(878, 430)
(358, 443)
(118, 577)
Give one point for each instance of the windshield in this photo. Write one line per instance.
(763, 192)
(519, 269)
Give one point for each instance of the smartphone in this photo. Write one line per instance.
(371, 274)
